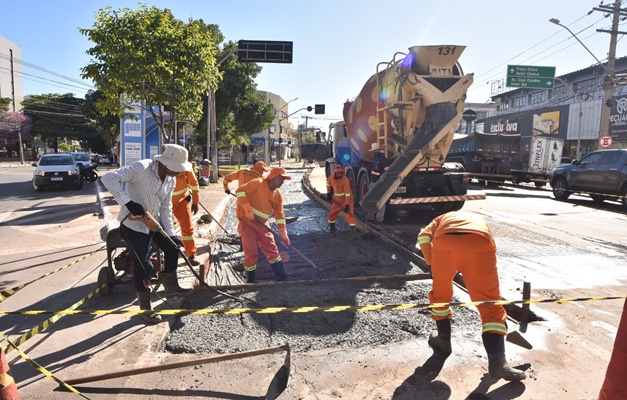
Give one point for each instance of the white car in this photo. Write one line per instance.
(56, 170)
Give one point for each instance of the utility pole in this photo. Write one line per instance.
(19, 128)
(608, 79)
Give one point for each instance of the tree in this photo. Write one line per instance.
(13, 124)
(107, 126)
(149, 56)
(4, 104)
(57, 116)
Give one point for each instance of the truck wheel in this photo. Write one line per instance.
(364, 184)
(458, 205)
(560, 189)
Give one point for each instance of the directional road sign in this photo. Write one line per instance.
(530, 76)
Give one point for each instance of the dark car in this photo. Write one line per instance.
(56, 170)
(601, 174)
(567, 160)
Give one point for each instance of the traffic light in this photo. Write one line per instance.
(309, 108)
(319, 109)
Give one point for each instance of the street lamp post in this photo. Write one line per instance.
(281, 119)
(608, 79)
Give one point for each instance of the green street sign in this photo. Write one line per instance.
(530, 76)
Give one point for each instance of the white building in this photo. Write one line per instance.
(11, 78)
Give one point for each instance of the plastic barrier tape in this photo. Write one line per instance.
(44, 325)
(42, 369)
(277, 310)
(10, 292)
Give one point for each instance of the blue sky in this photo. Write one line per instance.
(337, 44)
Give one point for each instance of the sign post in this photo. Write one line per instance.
(530, 76)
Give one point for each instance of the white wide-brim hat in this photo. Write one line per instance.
(374, 146)
(174, 157)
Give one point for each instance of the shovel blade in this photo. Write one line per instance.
(516, 338)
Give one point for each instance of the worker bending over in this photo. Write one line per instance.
(185, 199)
(257, 201)
(340, 196)
(461, 241)
(149, 186)
(244, 175)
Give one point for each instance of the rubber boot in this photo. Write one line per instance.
(279, 271)
(171, 285)
(441, 341)
(250, 277)
(143, 298)
(497, 365)
(353, 229)
(332, 228)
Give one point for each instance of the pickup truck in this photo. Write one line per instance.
(601, 174)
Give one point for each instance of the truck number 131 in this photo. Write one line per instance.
(446, 50)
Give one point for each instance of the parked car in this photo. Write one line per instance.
(103, 160)
(81, 158)
(567, 160)
(601, 174)
(56, 170)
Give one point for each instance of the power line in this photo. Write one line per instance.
(27, 64)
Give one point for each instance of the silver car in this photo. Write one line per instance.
(56, 170)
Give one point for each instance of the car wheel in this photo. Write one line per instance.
(625, 197)
(37, 188)
(560, 189)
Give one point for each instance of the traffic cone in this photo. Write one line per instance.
(614, 387)
(8, 389)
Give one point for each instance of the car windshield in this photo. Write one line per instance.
(81, 157)
(56, 160)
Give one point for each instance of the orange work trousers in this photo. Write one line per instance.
(475, 257)
(250, 239)
(183, 213)
(335, 210)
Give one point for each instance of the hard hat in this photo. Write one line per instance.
(338, 168)
(205, 162)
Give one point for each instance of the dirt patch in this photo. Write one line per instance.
(342, 255)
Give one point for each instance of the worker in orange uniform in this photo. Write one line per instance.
(257, 201)
(340, 196)
(462, 241)
(244, 175)
(185, 199)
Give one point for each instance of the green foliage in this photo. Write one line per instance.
(4, 104)
(150, 56)
(56, 116)
(64, 147)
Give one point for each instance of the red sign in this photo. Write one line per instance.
(605, 141)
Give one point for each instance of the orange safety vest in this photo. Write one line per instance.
(242, 176)
(186, 181)
(263, 201)
(341, 189)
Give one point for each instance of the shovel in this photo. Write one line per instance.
(277, 386)
(278, 238)
(213, 219)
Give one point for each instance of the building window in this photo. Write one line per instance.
(560, 92)
(536, 98)
(518, 102)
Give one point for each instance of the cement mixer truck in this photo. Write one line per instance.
(410, 109)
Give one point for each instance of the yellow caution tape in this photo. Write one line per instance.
(41, 369)
(277, 310)
(10, 292)
(44, 325)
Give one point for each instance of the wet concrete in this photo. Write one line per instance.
(341, 255)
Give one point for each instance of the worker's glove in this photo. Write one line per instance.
(188, 198)
(227, 191)
(177, 241)
(329, 196)
(283, 233)
(135, 209)
(248, 211)
(194, 208)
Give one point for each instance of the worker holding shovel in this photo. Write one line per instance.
(185, 199)
(339, 194)
(257, 201)
(462, 241)
(149, 187)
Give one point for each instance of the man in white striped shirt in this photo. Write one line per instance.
(149, 185)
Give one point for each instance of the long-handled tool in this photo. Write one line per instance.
(279, 382)
(288, 220)
(342, 208)
(211, 216)
(278, 238)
